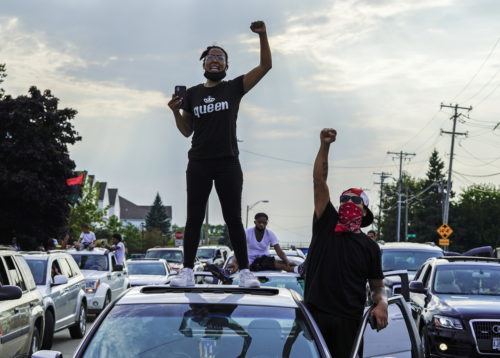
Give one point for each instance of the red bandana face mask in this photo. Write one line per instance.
(350, 216)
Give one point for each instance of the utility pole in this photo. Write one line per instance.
(402, 155)
(456, 107)
(407, 203)
(383, 177)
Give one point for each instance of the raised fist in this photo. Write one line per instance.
(258, 27)
(328, 135)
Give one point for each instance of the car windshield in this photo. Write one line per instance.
(202, 330)
(169, 255)
(468, 280)
(286, 281)
(205, 253)
(91, 262)
(38, 269)
(410, 260)
(150, 268)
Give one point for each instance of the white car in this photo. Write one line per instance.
(142, 272)
(216, 255)
(103, 283)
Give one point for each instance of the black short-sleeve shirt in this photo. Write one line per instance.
(338, 267)
(214, 111)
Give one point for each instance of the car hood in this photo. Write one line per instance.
(147, 279)
(469, 306)
(93, 274)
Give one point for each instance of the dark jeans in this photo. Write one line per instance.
(339, 333)
(228, 178)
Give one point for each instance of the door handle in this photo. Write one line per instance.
(32, 304)
(109, 276)
(16, 310)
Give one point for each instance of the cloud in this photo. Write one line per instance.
(31, 60)
(263, 115)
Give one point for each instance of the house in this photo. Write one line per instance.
(136, 214)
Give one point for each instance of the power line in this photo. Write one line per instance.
(478, 176)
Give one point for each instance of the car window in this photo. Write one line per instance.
(65, 269)
(426, 276)
(73, 265)
(91, 262)
(205, 253)
(169, 255)
(39, 270)
(200, 330)
(4, 280)
(468, 280)
(26, 272)
(15, 273)
(409, 259)
(150, 268)
(286, 281)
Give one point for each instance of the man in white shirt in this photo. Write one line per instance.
(259, 238)
(87, 238)
(119, 249)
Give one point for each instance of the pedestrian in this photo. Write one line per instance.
(119, 248)
(87, 238)
(209, 113)
(259, 238)
(14, 244)
(372, 235)
(340, 261)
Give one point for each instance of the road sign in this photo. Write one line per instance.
(412, 236)
(444, 242)
(444, 231)
(179, 235)
(178, 242)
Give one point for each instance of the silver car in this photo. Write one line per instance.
(62, 285)
(142, 272)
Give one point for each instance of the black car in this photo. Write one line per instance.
(456, 306)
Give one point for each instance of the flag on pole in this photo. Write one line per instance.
(75, 181)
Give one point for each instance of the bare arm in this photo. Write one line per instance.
(184, 120)
(320, 171)
(266, 63)
(280, 253)
(379, 298)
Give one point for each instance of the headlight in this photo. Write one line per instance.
(447, 322)
(92, 285)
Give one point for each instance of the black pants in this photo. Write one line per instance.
(339, 333)
(228, 178)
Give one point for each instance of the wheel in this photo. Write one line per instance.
(424, 339)
(48, 334)
(35, 341)
(79, 329)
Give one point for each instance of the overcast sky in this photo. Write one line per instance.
(376, 70)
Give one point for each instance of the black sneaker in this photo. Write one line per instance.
(220, 274)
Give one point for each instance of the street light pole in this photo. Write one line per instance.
(250, 207)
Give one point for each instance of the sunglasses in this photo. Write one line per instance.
(216, 57)
(355, 199)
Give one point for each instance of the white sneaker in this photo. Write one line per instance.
(248, 280)
(185, 278)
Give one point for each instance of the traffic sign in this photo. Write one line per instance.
(444, 242)
(444, 231)
(179, 235)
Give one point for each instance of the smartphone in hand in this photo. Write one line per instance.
(180, 91)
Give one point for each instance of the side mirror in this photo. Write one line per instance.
(47, 354)
(418, 287)
(60, 280)
(8, 293)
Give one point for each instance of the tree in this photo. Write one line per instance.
(3, 74)
(225, 240)
(157, 217)
(34, 165)
(132, 238)
(87, 210)
(111, 226)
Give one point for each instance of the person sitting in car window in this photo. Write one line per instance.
(258, 240)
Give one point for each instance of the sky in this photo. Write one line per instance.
(375, 70)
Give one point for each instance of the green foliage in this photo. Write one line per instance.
(87, 211)
(111, 226)
(132, 238)
(225, 240)
(3, 74)
(157, 217)
(34, 165)
(155, 237)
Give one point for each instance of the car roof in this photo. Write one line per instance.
(210, 294)
(408, 245)
(95, 251)
(146, 260)
(465, 260)
(165, 248)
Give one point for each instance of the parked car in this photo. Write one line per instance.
(225, 321)
(21, 307)
(142, 272)
(62, 286)
(277, 279)
(216, 255)
(456, 306)
(174, 257)
(404, 256)
(103, 281)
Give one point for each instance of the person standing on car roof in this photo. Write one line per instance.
(209, 112)
(340, 260)
(258, 240)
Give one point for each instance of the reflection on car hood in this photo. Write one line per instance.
(93, 274)
(469, 306)
(147, 279)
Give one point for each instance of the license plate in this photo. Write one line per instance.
(496, 343)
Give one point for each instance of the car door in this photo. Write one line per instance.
(15, 314)
(70, 291)
(399, 339)
(418, 301)
(57, 293)
(117, 278)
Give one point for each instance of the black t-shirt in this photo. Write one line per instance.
(214, 111)
(338, 267)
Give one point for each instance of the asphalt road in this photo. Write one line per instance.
(65, 344)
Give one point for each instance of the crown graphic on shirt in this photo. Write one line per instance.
(209, 99)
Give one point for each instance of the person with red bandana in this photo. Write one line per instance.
(340, 260)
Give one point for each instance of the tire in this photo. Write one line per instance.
(48, 334)
(425, 342)
(80, 327)
(35, 343)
